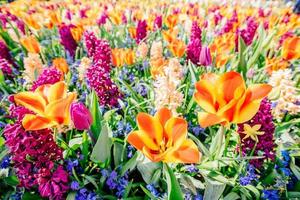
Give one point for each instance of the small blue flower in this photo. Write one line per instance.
(130, 150)
(153, 190)
(75, 185)
(286, 171)
(84, 194)
(270, 195)
(5, 162)
(250, 176)
(286, 156)
(191, 168)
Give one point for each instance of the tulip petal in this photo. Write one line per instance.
(228, 83)
(151, 126)
(135, 140)
(57, 91)
(163, 115)
(205, 96)
(249, 105)
(208, 119)
(34, 122)
(187, 153)
(31, 101)
(176, 130)
(59, 110)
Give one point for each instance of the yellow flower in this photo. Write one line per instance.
(252, 132)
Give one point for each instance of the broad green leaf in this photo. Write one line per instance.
(215, 148)
(101, 150)
(254, 191)
(130, 164)
(242, 65)
(174, 190)
(2, 79)
(148, 193)
(31, 196)
(12, 180)
(96, 114)
(85, 146)
(147, 169)
(75, 143)
(213, 190)
(118, 153)
(294, 195)
(190, 183)
(295, 169)
(2, 141)
(231, 196)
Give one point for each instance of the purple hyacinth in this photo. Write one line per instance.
(265, 143)
(67, 40)
(115, 182)
(103, 54)
(247, 33)
(249, 177)
(90, 43)
(4, 53)
(102, 19)
(141, 30)
(48, 76)
(157, 24)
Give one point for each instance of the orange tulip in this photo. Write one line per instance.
(163, 137)
(132, 32)
(226, 99)
(32, 22)
(55, 18)
(129, 56)
(291, 48)
(117, 57)
(50, 104)
(77, 32)
(61, 64)
(31, 44)
(170, 35)
(171, 21)
(177, 48)
(115, 17)
(274, 64)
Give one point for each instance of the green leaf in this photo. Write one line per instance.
(12, 180)
(294, 195)
(30, 196)
(190, 183)
(75, 143)
(2, 79)
(295, 169)
(254, 191)
(2, 141)
(101, 150)
(174, 190)
(71, 196)
(148, 193)
(231, 196)
(130, 164)
(118, 153)
(216, 148)
(85, 146)
(96, 114)
(242, 65)
(213, 190)
(147, 169)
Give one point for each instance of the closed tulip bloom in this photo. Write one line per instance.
(291, 48)
(163, 137)
(205, 56)
(31, 44)
(81, 116)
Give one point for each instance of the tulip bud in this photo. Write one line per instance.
(81, 116)
(205, 56)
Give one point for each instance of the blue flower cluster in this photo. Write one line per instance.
(250, 176)
(84, 194)
(270, 195)
(191, 168)
(189, 196)
(122, 129)
(73, 163)
(115, 182)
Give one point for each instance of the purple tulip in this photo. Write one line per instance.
(205, 56)
(81, 116)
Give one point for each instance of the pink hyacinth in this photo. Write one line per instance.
(102, 19)
(48, 76)
(67, 40)
(157, 24)
(103, 54)
(229, 23)
(90, 42)
(4, 53)
(248, 33)
(265, 145)
(193, 51)
(141, 31)
(5, 67)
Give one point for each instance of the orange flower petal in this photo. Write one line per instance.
(151, 126)
(291, 48)
(205, 96)
(34, 122)
(163, 115)
(57, 91)
(135, 140)
(31, 101)
(59, 110)
(176, 131)
(187, 153)
(146, 140)
(208, 119)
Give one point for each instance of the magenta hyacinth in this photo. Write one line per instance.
(48, 76)
(141, 30)
(81, 116)
(67, 40)
(103, 54)
(5, 67)
(196, 32)
(90, 42)
(193, 51)
(248, 33)
(4, 53)
(205, 56)
(157, 24)
(266, 144)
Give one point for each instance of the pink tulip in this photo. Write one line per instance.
(81, 116)
(205, 56)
